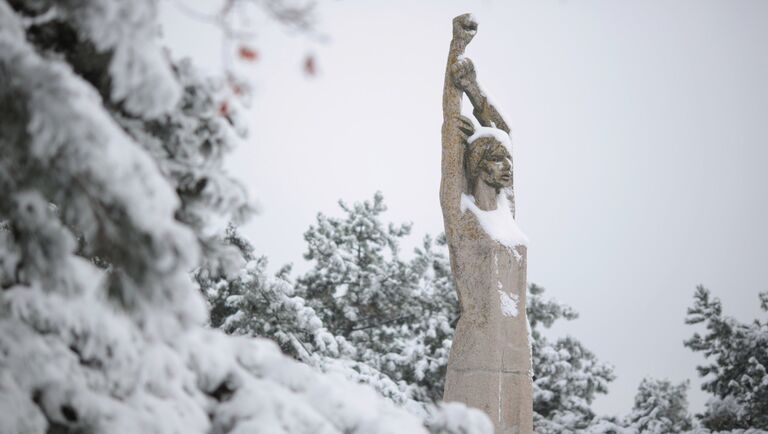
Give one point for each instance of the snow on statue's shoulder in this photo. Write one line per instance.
(499, 223)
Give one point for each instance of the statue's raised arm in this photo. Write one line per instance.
(456, 128)
(465, 78)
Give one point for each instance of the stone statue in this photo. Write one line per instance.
(490, 362)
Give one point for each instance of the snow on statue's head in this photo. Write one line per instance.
(488, 160)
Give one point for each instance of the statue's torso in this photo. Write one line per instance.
(491, 281)
(490, 362)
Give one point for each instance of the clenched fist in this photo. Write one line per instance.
(463, 73)
(464, 28)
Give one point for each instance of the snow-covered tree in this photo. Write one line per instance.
(567, 376)
(110, 192)
(250, 302)
(439, 304)
(395, 313)
(660, 408)
(736, 373)
(358, 283)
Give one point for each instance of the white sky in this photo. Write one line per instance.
(640, 135)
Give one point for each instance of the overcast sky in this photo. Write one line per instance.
(640, 134)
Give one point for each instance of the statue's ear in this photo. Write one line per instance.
(466, 126)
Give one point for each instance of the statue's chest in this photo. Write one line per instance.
(484, 260)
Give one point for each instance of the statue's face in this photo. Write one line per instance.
(497, 167)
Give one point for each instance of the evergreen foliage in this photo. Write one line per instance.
(249, 302)
(737, 355)
(567, 376)
(660, 407)
(396, 314)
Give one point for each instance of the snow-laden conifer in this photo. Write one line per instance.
(660, 407)
(735, 372)
(566, 376)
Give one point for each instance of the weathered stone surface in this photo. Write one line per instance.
(490, 363)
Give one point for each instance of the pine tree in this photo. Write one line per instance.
(433, 328)
(736, 373)
(660, 408)
(110, 190)
(393, 312)
(567, 376)
(358, 279)
(252, 303)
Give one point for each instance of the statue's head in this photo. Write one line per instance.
(489, 161)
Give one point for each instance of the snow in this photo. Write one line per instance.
(98, 166)
(498, 223)
(496, 133)
(453, 417)
(142, 79)
(508, 304)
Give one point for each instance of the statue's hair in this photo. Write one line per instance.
(476, 153)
